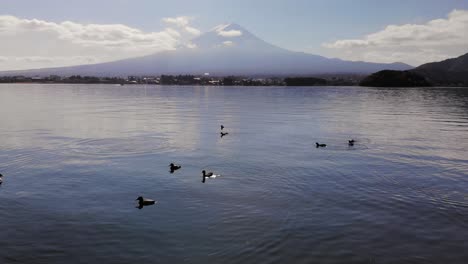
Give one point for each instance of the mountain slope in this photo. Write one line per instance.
(225, 50)
(448, 72)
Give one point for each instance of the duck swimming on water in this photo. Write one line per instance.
(1, 179)
(224, 133)
(320, 145)
(207, 175)
(222, 127)
(351, 142)
(173, 167)
(204, 175)
(144, 202)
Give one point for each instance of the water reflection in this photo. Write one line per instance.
(68, 148)
(92, 116)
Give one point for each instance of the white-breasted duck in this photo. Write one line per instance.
(208, 175)
(144, 202)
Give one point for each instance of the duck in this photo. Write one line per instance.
(222, 127)
(1, 179)
(144, 202)
(351, 142)
(320, 145)
(207, 175)
(174, 167)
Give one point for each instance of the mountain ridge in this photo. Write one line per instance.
(453, 71)
(449, 72)
(226, 49)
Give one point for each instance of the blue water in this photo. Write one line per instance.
(75, 158)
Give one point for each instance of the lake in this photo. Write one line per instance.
(75, 158)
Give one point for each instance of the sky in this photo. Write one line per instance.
(49, 33)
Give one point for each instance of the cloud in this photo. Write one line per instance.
(35, 59)
(183, 23)
(192, 31)
(55, 59)
(180, 21)
(33, 43)
(191, 45)
(415, 44)
(228, 43)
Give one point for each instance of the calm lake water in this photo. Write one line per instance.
(75, 158)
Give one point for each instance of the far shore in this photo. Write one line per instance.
(191, 80)
(205, 80)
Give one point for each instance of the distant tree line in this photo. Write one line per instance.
(58, 79)
(388, 78)
(186, 80)
(305, 81)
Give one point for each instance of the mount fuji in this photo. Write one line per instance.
(225, 50)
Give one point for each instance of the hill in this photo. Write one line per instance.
(450, 72)
(388, 78)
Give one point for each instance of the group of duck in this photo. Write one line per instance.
(172, 168)
(350, 143)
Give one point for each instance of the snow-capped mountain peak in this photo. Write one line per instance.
(227, 27)
(227, 49)
(233, 36)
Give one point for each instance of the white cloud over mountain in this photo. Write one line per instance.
(183, 23)
(33, 43)
(435, 40)
(228, 43)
